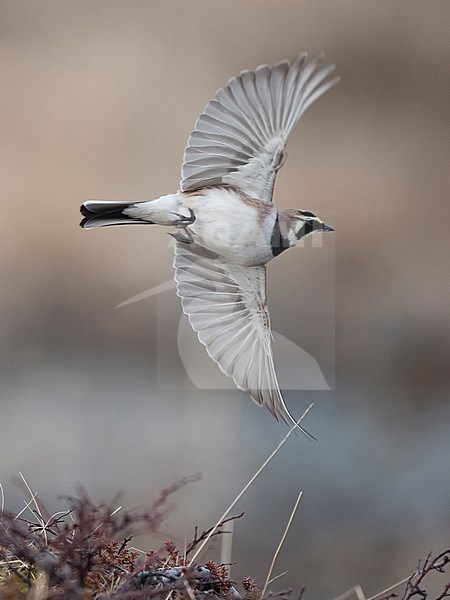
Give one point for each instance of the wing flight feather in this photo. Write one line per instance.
(226, 305)
(240, 137)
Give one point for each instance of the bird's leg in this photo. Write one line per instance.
(183, 221)
(186, 239)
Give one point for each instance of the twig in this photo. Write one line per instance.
(387, 590)
(445, 592)
(413, 586)
(197, 540)
(283, 537)
(245, 488)
(124, 544)
(2, 501)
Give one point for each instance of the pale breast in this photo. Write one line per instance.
(236, 227)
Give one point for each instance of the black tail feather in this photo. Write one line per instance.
(106, 214)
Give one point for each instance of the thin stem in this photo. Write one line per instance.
(245, 488)
(283, 537)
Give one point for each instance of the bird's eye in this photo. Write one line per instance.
(307, 213)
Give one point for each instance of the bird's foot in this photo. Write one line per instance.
(183, 220)
(186, 239)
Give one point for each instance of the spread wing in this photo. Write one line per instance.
(240, 137)
(226, 306)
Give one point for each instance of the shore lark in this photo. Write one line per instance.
(227, 228)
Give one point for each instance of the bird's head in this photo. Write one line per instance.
(303, 223)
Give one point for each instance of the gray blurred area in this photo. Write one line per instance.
(97, 100)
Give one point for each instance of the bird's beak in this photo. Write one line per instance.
(327, 228)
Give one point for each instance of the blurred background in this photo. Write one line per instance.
(97, 101)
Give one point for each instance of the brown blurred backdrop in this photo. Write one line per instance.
(97, 100)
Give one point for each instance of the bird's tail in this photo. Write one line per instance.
(103, 213)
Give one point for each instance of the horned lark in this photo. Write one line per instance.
(227, 228)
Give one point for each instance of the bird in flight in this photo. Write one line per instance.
(226, 227)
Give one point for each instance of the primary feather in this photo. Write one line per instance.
(240, 137)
